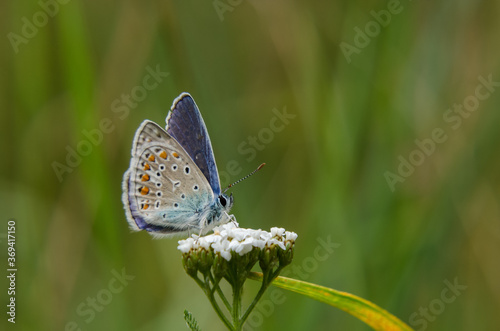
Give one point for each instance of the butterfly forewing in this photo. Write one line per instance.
(185, 124)
(166, 191)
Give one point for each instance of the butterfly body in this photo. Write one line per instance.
(172, 185)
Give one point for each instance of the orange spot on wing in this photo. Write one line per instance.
(163, 155)
(146, 206)
(145, 178)
(151, 158)
(175, 154)
(144, 190)
(146, 166)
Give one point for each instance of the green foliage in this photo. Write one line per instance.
(191, 321)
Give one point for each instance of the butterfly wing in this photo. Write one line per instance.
(185, 124)
(163, 190)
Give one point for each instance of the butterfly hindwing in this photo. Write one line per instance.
(163, 190)
(185, 124)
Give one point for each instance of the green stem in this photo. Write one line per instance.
(267, 279)
(371, 314)
(219, 291)
(276, 273)
(237, 304)
(262, 289)
(199, 282)
(205, 286)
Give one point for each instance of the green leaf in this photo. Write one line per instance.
(191, 321)
(371, 314)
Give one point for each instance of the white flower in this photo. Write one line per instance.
(229, 238)
(233, 245)
(185, 245)
(245, 246)
(290, 236)
(256, 233)
(277, 232)
(259, 243)
(222, 247)
(274, 241)
(264, 235)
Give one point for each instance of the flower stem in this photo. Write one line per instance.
(262, 289)
(205, 286)
(237, 289)
(267, 278)
(215, 283)
(218, 310)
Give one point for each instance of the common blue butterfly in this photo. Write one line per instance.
(172, 185)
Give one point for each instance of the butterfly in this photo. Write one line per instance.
(172, 186)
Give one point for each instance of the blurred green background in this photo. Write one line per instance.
(66, 65)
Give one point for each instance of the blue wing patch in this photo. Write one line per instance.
(185, 124)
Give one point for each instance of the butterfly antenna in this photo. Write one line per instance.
(242, 179)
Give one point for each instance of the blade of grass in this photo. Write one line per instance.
(371, 314)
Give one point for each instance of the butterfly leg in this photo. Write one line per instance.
(203, 225)
(192, 233)
(232, 219)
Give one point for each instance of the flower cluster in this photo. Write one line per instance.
(231, 248)
(230, 253)
(229, 238)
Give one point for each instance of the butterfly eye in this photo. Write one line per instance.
(222, 201)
